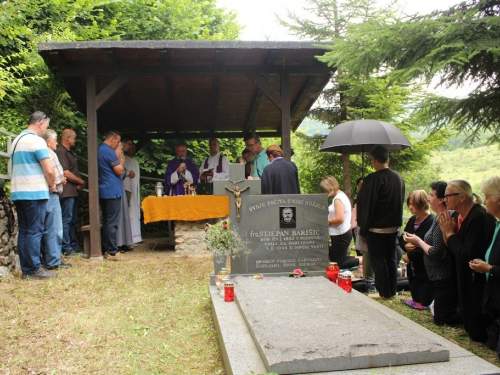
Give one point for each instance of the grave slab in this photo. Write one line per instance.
(241, 356)
(307, 325)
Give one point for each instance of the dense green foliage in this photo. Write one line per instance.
(26, 84)
(358, 95)
(458, 46)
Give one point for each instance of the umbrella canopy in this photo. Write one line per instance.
(359, 136)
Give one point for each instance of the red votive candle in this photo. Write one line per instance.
(229, 291)
(332, 272)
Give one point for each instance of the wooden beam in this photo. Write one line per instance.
(301, 95)
(266, 88)
(110, 90)
(203, 135)
(285, 116)
(249, 126)
(95, 228)
(214, 103)
(72, 71)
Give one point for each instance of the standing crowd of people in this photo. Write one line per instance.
(452, 257)
(45, 186)
(277, 175)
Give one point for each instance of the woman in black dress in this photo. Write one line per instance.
(468, 233)
(421, 221)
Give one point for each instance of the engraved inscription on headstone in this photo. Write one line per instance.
(283, 232)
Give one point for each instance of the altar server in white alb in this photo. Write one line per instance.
(216, 166)
(132, 190)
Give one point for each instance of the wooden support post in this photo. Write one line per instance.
(285, 116)
(95, 233)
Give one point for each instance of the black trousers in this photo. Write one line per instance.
(338, 251)
(446, 303)
(383, 258)
(421, 287)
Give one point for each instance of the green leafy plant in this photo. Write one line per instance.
(221, 240)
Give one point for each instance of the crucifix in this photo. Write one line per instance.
(237, 198)
(240, 186)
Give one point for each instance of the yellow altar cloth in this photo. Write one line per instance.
(185, 208)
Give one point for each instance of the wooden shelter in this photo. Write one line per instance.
(186, 89)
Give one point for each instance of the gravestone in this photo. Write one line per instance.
(283, 232)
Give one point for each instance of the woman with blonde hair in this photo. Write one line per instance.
(467, 233)
(339, 224)
(420, 286)
(438, 262)
(490, 266)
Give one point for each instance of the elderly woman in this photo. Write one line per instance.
(491, 265)
(437, 261)
(339, 224)
(467, 233)
(420, 286)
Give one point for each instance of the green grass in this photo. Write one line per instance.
(149, 314)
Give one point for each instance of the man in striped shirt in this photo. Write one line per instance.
(32, 181)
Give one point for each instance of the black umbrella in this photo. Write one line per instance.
(360, 136)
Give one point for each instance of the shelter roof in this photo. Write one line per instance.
(191, 89)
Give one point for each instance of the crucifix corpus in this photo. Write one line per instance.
(237, 197)
(241, 187)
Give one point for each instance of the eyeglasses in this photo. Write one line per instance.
(446, 196)
(251, 144)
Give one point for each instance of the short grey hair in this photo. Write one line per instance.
(492, 187)
(50, 134)
(38, 116)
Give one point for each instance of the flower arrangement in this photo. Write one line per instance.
(298, 273)
(221, 240)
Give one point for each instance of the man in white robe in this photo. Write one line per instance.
(216, 166)
(132, 189)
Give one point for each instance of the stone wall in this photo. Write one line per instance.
(9, 261)
(190, 237)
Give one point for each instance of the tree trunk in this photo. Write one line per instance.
(346, 167)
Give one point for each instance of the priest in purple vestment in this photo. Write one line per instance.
(178, 171)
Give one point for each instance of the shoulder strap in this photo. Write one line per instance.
(14, 150)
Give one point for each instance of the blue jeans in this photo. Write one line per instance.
(53, 232)
(69, 207)
(30, 217)
(111, 210)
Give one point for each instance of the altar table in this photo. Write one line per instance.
(185, 208)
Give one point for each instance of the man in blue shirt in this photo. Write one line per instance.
(32, 180)
(110, 160)
(260, 161)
